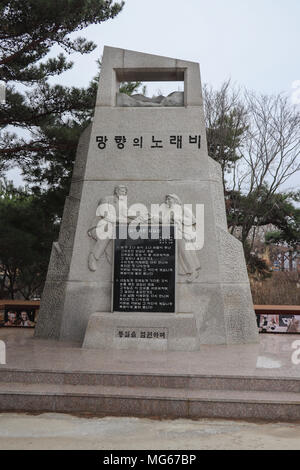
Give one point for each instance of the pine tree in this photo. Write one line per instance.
(40, 125)
(27, 230)
(28, 30)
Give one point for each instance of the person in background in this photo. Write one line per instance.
(12, 319)
(24, 320)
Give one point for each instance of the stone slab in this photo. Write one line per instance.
(153, 402)
(162, 331)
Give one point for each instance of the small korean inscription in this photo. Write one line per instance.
(141, 333)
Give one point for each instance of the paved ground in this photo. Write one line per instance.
(61, 431)
(271, 357)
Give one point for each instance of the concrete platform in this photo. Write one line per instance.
(250, 381)
(53, 431)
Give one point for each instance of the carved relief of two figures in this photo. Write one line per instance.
(113, 209)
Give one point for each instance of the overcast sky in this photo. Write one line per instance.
(255, 42)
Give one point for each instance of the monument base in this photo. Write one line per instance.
(142, 331)
(254, 381)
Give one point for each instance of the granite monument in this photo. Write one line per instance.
(155, 294)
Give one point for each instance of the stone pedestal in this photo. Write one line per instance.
(159, 332)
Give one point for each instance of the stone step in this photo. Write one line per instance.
(186, 382)
(149, 402)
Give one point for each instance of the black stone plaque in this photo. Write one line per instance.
(144, 270)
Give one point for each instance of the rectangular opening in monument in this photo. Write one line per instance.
(159, 86)
(144, 270)
(155, 89)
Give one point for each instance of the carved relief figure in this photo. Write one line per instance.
(184, 220)
(111, 209)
